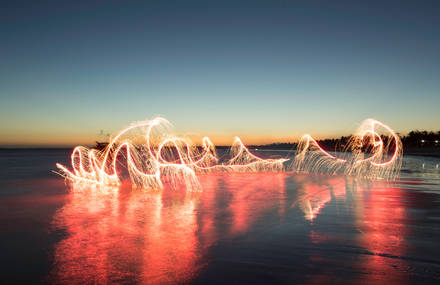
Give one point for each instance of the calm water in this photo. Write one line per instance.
(243, 228)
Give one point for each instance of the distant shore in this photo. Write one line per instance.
(418, 151)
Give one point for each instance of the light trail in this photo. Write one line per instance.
(383, 161)
(161, 156)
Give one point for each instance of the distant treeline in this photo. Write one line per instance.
(414, 139)
(421, 139)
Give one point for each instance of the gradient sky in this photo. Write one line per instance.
(264, 70)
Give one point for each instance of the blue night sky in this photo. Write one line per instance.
(264, 70)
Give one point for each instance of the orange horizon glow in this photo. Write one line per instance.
(71, 137)
(218, 140)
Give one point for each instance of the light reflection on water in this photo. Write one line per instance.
(134, 235)
(379, 216)
(155, 237)
(245, 228)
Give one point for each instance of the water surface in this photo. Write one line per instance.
(243, 228)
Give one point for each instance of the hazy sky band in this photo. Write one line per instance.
(264, 70)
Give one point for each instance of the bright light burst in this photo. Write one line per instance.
(150, 154)
(368, 153)
(161, 156)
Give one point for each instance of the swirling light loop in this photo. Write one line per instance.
(165, 156)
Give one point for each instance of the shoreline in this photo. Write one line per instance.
(425, 151)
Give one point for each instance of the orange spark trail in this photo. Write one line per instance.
(162, 156)
(153, 155)
(311, 157)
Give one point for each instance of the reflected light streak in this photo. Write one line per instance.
(314, 195)
(255, 195)
(379, 214)
(379, 226)
(384, 232)
(157, 237)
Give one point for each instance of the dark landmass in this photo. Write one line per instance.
(422, 143)
(415, 143)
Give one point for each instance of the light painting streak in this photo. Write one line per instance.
(162, 157)
(153, 155)
(384, 159)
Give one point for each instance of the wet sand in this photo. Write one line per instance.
(280, 228)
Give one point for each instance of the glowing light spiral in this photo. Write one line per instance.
(153, 155)
(384, 159)
(161, 157)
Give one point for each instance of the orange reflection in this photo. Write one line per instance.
(379, 215)
(90, 220)
(133, 235)
(315, 192)
(381, 219)
(208, 209)
(170, 248)
(253, 195)
(126, 235)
